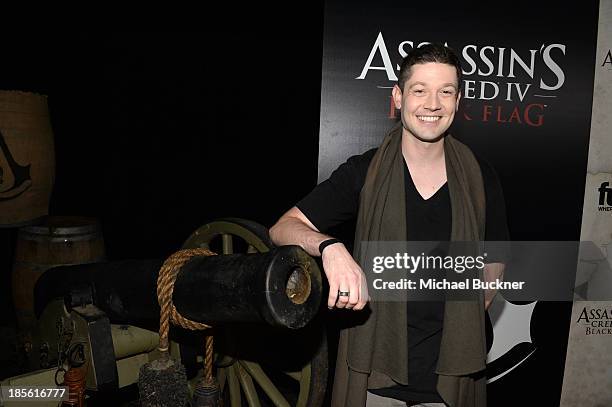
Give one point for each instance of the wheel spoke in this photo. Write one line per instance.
(305, 384)
(248, 387)
(228, 244)
(221, 378)
(266, 384)
(234, 387)
(224, 361)
(294, 375)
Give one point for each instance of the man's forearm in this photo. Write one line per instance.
(293, 230)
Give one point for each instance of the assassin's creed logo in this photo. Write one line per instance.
(596, 321)
(508, 86)
(14, 178)
(607, 60)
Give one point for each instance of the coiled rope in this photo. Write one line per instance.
(165, 287)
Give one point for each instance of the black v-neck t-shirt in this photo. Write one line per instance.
(336, 200)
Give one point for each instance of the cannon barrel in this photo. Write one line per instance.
(281, 287)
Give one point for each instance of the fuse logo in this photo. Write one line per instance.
(605, 197)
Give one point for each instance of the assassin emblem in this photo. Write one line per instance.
(512, 342)
(20, 173)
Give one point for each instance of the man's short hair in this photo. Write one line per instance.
(428, 53)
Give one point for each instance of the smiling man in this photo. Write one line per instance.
(420, 184)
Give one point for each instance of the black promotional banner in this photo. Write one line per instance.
(527, 94)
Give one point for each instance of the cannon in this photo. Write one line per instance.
(261, 301)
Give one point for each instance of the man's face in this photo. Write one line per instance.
(428, 101)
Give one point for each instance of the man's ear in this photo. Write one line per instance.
(396, 93)
(458, 99)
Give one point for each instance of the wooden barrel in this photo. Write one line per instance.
(27, 158)
(59, 240)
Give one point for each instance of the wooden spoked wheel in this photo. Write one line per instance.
(260, 365)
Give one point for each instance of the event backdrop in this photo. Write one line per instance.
(527, 94)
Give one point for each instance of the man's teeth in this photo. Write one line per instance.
(429, 118)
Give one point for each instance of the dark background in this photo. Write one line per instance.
(157, 133)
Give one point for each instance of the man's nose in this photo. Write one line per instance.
(433, 102)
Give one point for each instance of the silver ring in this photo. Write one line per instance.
(344, 293)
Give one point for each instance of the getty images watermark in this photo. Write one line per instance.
(433, 263)
(433, 271)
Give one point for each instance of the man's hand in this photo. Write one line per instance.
(344, 275)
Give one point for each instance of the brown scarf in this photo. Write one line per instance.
(374, 354)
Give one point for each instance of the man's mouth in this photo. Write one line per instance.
(429, 119)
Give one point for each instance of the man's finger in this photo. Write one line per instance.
(353, 298)
(343, 297)
(333, 295)
(363, 296)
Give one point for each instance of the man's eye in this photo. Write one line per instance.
(448, 92)
(418, 91)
